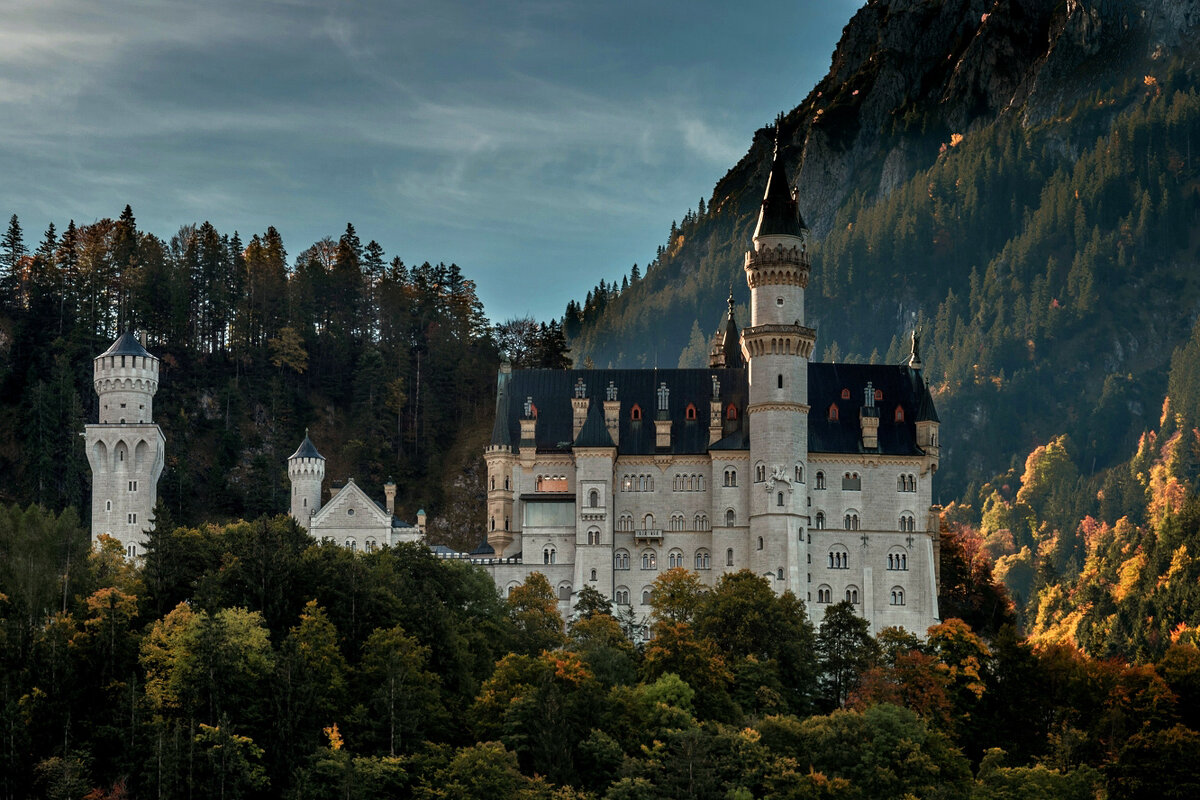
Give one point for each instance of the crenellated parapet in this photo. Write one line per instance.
(787, 340)
(780, 265)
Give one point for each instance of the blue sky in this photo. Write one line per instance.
(540, 145)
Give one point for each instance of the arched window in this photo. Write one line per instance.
(779, 574)
(899, 416)
(730, 476)
(907, 522)
(897, 596)
(702, 559)
(824, 594)
(649, 559)
(839, 558)
(593, 574)
(625, 522)
(820, 480)
(731, 412)
(760, 543)
(779, 381)
(564, 591)
(730, 518)
(593, 536)
(690, 412)
(897, 559)
(351, 545)
(492, 523)
(850, 521)
(878, 395)
(852, 595)
(675, 559)
(635, 413)
(621, 596)
(799, 473)
(851, 482)
(549, 555)
(779, 499)
(593, 499)
(760, 472)
(700, 523)
(108, 505)
(729, 557)
(820, 520)
(845, 394)
(647, 596)
(621, 559)
(648, 522)
(493, 480)
(506, 483)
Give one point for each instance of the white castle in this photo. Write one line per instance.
(815, 476)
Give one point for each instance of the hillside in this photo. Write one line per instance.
(1019, 183)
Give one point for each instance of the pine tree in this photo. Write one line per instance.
(12, 250)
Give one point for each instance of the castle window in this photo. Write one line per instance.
(833, 412)
(852, 595)
(799, 474)
(635, 413)
(621, 559)
(899, 417)
(779, 574)
(760, 543)
(824, 594)
(647, 596)
(493, 482)
(506, 523)
(649, 559)
(625, 522)
(549, 555)
(593, 499)
(593, 536)
(131, 551)
(845, 394)
(593, 574)
(506, 483)
(878, 395)
(351, 545)
(108, 505)
(729, 557)
(730, 477)
(349, 512)
(690, 413)
(897, 560)
(851, 482)
(676, 523)
(839, 558)
(851, 521)
(779, 499)
(492, 523)
(820, 480)
(700, 523)
(779, 381)
(730, 518)
(564, 591)
(897, 596)
(731, 412)
(907, 523)
(621, 596)
(702, 559)
(760, 472)
(675, 559)
(820, 520)
(648, 522)
(371, 545)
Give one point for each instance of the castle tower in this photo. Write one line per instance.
(500, 461)
(777, 347)
(306, 469)
(125, 449)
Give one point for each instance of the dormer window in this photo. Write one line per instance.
(731, 412)
(899, 414)
(635, 413)
(833, 412)
(878, 395)
(845, 394)
(690, 413)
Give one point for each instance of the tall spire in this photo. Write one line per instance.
(780, 213)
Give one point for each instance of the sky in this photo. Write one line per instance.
(542, 146)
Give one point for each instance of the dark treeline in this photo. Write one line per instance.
(246, 661)
(390, 366)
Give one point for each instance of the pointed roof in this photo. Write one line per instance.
(780, 213)
(500, 432)
(594, 432)
(732, 343)
(126, 345)
(306, 449)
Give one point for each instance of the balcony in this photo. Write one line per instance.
(648, 535)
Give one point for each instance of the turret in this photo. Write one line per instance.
(125, 449)
(306, 469)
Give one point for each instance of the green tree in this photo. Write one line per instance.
(845, 650)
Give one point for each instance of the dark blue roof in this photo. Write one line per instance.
(126, 345)
(552, 390)
(306, 450)
(780, 213)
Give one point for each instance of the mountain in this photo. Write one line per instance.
(1016, 178)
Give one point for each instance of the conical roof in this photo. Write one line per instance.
(732, 343)
(594, 432)
(126, 345)
(306, 450)
(780, 213)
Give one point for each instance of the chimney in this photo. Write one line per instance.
(389, 491)
(579, 405)
(612, 412)
(869, 418)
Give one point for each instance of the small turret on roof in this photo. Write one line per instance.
(306, 449)
(780, 213)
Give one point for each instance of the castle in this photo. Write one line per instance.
(815, 476)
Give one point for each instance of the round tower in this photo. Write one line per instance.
(777, 347)
(306, 469)
(125, 449)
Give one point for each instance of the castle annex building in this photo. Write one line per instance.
(815, 476)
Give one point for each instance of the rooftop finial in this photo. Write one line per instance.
(914, 357)
(731, 299)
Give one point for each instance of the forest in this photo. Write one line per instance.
(244, 660)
